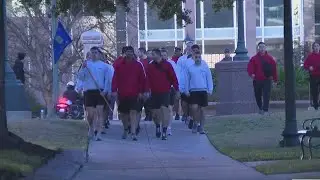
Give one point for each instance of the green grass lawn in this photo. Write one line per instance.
(50, 134)
(256, 138)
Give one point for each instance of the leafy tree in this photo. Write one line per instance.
(165, 8)
(29, 30)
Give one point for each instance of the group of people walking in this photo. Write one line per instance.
(152, 81)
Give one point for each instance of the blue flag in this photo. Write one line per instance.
(61, 41)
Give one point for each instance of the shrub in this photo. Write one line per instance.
(278, 92)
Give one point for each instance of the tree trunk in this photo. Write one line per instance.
(49, 104)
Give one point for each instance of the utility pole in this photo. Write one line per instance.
(3, 57)
(290, 135)
(55, 78)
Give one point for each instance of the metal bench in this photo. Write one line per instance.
(310, 131)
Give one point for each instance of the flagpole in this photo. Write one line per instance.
(55, 80)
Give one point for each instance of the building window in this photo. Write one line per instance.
(198, 15)
(141, 15)
(155, 23)
(258, 13)
(273, 13)
(317, 17)
(221, 19)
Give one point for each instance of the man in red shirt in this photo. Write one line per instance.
(262, 68)
(161, 77)
(129, 84)
(312, 65)
(121, 57)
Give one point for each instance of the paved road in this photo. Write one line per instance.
(184, 156)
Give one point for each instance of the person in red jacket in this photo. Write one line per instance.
(262, 68)
(129, 84)
(120, 58)
(312, 64)
(161, 77)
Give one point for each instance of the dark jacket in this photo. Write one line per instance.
(18, 70)
(71, 95)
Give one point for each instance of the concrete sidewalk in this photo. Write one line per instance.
(184, 156)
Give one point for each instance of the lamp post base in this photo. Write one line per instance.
(15, 97)
(234, 89)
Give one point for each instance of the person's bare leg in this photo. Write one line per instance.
(184, 106)
(124, 117)
(170, 120)
(99, 117)
(90, 120)
(156, 117)
(195, 109)
(138, 122)
(202, 121)
(176, 109)
(166, 116)
(133, 124)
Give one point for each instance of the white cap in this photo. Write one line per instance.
(70, 83)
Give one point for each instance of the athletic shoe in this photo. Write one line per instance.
(164, 136)
(177, 117)
(164, 133)
(190, 124)
(138, 130)
(184, 118)
(106, 125)
(158, 132)
(195, 128)
(98, 137)
(201, 130)
(90, 133)
(169, 132)
(134, 137)
(125, 134)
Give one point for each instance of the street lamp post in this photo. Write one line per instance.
(55, 71)
(241, 51)
(290, 136)
(3, 57)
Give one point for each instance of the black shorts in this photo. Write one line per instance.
(128, 103)
(93, 98)
(160, 99)
(199, 97)
(185, 98)
(172, 96)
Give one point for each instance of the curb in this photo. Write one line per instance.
(274, 104)
(64, 166)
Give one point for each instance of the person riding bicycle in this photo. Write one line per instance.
(71, 94)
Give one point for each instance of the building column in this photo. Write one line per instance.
(234, 89)
(132, 25)
(190, 29)
(121, 36)
(251, 34)
(309, 24)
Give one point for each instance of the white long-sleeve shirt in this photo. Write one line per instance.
(176, 70)
(102, 74)
(198, 77)
(181, 63)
